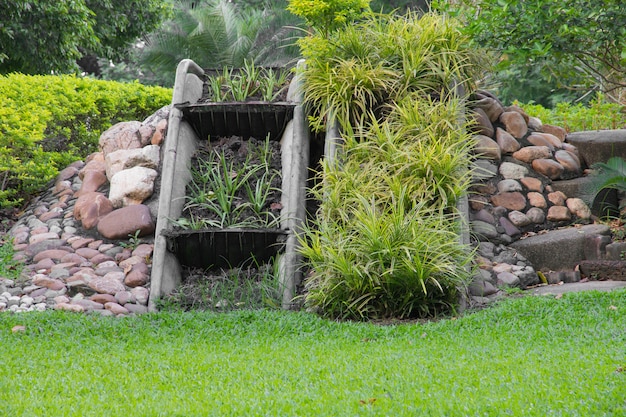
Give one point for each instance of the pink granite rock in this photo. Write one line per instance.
(514, 123)
(106, 285)
(132, 186)
(482, 124)
(55, 254)
(138, 276)
(507, 143)
(511, 201)
(486, 147)
(95, 165)
(548, 167)
(116, 309)
(557, 131)
(123, 222)
(492, 107)
(92, 180)
(532, 184)
(530, 153)
(90, 207)
(536, 199)
(147, 157)
(50, 283)
(159, 134)
(568, 160)
(123, 135)
(578, 208)
(559, 214)
(538, 140)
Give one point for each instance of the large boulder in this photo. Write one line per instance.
(123, 135)
(132, 186)
(121, 223)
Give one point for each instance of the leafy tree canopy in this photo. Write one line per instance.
(566, 36)
(50, 35)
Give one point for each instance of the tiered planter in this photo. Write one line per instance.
(191, 123)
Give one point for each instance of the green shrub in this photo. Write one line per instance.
(386, 239)
(326, 16)
(386, 242)
(374, 63)
(51, 121)
(598, 115)
(9, 267)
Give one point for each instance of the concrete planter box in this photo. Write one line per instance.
(214, 120)
(224, 248)
(190, 123)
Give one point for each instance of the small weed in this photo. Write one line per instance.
(9, 267)
(226, 193)
(133, 241)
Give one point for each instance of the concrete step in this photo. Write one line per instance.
(598, 145)
(564, 249)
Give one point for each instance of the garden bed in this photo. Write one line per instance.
(231, 216)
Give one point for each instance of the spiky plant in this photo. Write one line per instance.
(214, 34)
(606, 175)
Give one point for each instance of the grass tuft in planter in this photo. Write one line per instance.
(234, 184)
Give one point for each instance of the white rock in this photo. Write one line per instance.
(27, 301)
(132, 186)
(513, 171)
(148, 157)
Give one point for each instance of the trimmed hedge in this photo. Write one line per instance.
(47, 122)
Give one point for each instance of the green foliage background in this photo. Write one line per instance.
(51, 121)
(48, 36)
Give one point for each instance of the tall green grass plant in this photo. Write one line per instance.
(386, 239)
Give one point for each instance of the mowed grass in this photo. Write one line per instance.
(528, 356)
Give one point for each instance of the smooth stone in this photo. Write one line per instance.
(507, 143)
(536, 199)
(513, 171)
(548, 167)
(578, 208)
(530, 153)
(136, 308)
(557, 198)
(558, 214)
(514, 123)
(509, 186)
(508, 279)
(510, 201)
(519, 219)
(532, 184)
(116, 309)
(486, 148)
(483, 229)
(141, 294)
(536, 215)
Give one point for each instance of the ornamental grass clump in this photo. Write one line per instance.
(386, 239)
(372, 64)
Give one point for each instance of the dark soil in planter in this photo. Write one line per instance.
(240, 152)
(206, 288)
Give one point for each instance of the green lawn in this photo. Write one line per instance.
(530, 356)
